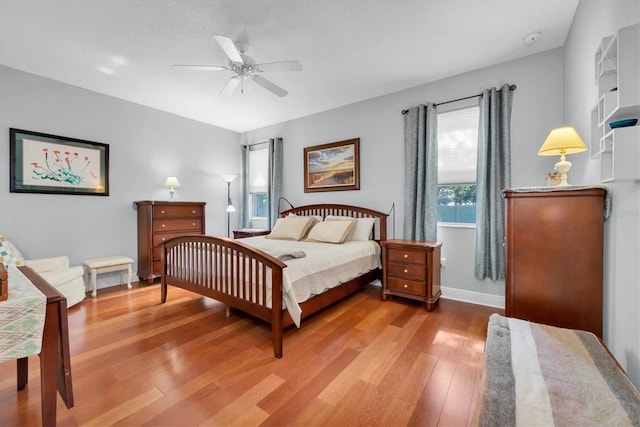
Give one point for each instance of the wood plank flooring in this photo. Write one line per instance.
(361, 362)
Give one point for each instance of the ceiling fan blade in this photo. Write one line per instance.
(231, 86)
(279, 66)
(229, 47)
(203, 67)
(270, 86)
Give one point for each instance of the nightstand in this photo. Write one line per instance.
(249, 232)
(411, 269)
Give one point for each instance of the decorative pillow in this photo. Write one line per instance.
(331, 231)
(317, 218)
(9, 255)
(362, 230)
(291, 228)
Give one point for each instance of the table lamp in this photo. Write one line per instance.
(562, 141)
(171, 183)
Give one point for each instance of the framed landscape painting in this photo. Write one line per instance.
(43, 163)
(332, 167)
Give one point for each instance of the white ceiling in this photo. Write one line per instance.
(351, 50)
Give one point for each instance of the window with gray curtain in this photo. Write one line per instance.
(493, 175)
(261, 183)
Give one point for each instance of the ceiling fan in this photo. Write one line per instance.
(245, 68)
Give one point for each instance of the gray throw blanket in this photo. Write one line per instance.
(543, 375)
(285, 256)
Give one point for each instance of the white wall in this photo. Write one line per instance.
(594, 20)
(537, 107)
(145, 145)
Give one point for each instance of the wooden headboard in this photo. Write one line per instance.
(322, 210)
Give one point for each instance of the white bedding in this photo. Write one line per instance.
(325, 266)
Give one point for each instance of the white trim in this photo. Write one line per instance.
(489, 300)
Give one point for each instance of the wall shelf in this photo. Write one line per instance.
(617, 65)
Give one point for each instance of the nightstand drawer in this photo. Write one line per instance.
(403, 255)
(407, 271)
(410, 286)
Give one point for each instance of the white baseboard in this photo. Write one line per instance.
(496, 301)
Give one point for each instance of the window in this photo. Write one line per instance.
(258, 181)
(457, 159)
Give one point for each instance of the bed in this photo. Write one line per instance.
(243, 275)
(542, 375)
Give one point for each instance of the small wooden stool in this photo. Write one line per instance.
(106, 265)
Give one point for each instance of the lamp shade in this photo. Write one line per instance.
(172, 182)
(229, 178)
(564, 140)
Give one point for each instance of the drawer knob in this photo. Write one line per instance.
(163, 225)
(163, 239)
(193, 223)
(406, 271)
(161, 211)
(406, 255)
(193, 212)
(406, 286)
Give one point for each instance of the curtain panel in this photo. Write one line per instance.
(275, 180)
(421, 173)
(244, 190)
(493, 175)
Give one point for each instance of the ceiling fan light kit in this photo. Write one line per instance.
(245, 68)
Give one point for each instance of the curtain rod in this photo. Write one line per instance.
(512, 87)
(262, 142)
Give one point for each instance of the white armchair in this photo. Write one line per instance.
(68, 280)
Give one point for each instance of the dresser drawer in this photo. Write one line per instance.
(404, 255)
(177, 211)
(409, 286)
(160, 238)
(407, 271)
(187, 224)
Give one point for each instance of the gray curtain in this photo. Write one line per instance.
(421, 173)
(244, 190)
(493, 175)
(275, 179)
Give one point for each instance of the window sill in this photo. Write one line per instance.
(456, 225)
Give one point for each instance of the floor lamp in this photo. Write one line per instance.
(230, 208)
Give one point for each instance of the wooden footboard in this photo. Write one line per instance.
(230, 272)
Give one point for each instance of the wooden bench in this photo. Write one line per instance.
(107, 264)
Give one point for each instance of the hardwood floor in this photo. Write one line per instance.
(360, 362)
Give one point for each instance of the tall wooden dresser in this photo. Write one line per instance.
(160, 221)
(554, 256)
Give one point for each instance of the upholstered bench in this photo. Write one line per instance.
(106, 265)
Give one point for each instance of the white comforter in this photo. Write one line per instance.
(325, 266)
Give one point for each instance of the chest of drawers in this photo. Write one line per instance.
(411, 269)
(555, 256)
(160, 221)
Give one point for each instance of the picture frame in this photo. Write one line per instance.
(53, 164)
(332, 167)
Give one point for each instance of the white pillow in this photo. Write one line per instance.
(362, 230)
(291, 228)
(331, 231)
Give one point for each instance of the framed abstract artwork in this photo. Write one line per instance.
(43, 163)
(332, 167)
